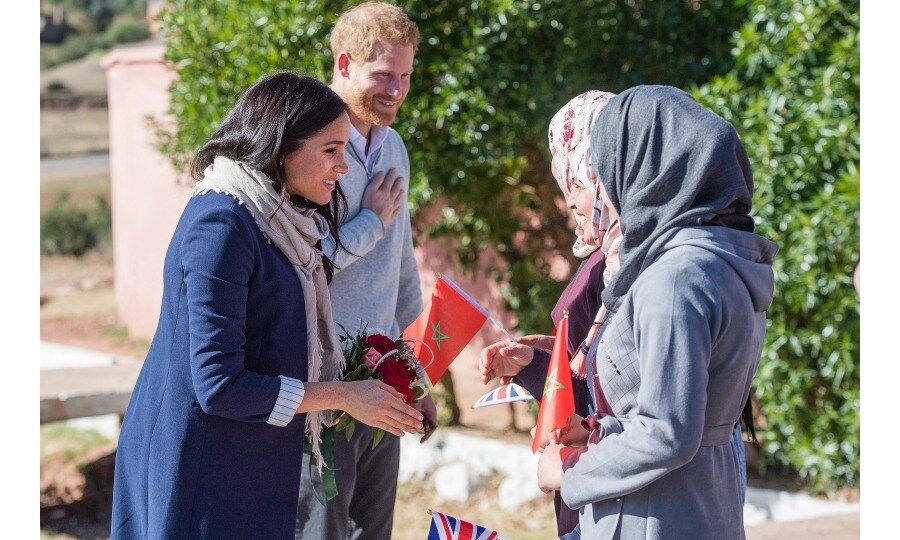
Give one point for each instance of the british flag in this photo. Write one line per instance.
(506, 393)
(446, 527)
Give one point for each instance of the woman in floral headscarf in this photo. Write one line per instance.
(527, 358)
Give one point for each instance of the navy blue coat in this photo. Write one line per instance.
(196, 458)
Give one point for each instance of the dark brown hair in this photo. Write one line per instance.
(272, 119)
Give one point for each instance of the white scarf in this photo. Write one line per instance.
(294, 232)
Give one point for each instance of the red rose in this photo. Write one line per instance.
(395, 375)
(410, 371)
(380, 343)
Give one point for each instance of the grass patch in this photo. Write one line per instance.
(119, 333)
(84, 76)
(72, 444)
(116, 331)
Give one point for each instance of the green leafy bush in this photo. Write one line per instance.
(793, 95)
(489, 75)
(91, 25)
(68, 229)
(90, 16)
(127, 30)
(73, 48)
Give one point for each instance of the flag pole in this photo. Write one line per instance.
(501, 328)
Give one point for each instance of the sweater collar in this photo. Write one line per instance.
(378, 135)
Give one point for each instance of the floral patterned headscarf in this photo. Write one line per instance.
(570, 141)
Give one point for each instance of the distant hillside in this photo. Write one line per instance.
(82, 77)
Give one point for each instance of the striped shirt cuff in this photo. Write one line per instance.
(289, 397)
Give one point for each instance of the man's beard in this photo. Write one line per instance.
(363, 107)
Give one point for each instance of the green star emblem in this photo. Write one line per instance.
(436, 335)
(552, 385)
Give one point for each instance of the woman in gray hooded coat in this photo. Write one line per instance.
(684, 332)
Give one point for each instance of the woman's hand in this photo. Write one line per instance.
(537, 341)
(573, 435)
(550, 467)
(503, 359)
(374, 403)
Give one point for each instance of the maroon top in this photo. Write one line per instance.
(582, 298)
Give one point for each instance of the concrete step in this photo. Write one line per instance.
(87, 391)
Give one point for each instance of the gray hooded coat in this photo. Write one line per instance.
(677, 354)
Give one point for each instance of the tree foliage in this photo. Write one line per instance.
(489, 74)
(70, 229)
(100, 13)
(92, 25)
(793, 96)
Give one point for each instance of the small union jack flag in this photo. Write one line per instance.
(506, 393)
(446, 527)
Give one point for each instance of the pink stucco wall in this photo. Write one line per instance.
(148, 197)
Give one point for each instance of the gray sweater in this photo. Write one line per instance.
(379, 283)
(675, 363)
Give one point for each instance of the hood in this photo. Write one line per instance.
(749, 254)
(666, 163)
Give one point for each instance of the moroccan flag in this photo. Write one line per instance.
(558, 402)
(450, 321)
(447, 527)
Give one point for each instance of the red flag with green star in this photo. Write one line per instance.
(558, 401)
(450, 321)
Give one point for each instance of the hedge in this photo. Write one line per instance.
(793, 95)
(489, 74)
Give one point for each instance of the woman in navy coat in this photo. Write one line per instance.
(210, 445)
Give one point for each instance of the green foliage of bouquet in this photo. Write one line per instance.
(376, 356)
(371, 356)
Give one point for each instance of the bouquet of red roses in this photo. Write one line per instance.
(376, 356)
(370, 356)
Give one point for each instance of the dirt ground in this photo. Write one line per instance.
(77, 294)
(78, 305)
(827, 528)
(76, 482)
